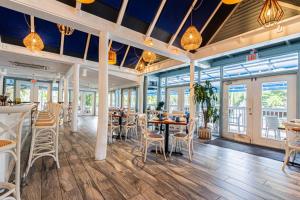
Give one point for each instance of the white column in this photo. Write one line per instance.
(66, 99)
(141, 93)
(60, 90)
(192, 104)
(1, 84)
(102, 128)
(76, 67)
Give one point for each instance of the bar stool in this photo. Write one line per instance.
(12, 125)
(45, 133)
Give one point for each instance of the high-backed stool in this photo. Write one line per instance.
(11, 124)
(45, 133)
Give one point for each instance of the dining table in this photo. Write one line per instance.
(167, 123)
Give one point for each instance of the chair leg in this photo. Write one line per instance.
(31, 151)
(163, 150)
(146, 149)
(190, 149)
(286, 159)
(174, 142)
(56, 149)
(192, 142)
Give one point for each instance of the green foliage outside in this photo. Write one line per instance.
(274, 99)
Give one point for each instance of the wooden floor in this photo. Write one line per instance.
(215, 173)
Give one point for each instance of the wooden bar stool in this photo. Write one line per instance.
(11, 125)
(45, 133)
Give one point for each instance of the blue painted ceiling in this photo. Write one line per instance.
(138, 16)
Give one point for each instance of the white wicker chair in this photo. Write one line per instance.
(292, 142)
(149, 138)
(45, 133)
(187, 138)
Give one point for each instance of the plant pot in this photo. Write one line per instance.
(204, 133)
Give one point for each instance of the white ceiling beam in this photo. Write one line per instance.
(122, 12)
(125, 56)
(62, 41)
(210, 17)
(223, 23)
(14, 50)
(61, 13)
(182, 23)
(289, 5)
(87, 45)
(165, 66)
(251, 40)
(152, 25)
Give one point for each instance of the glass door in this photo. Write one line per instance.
(254, 110)
(236, 110)
(275, 103)
(42, 94)
(24, 91)
(88, 103)
(173, 99)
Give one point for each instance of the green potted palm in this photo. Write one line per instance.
(206, 96)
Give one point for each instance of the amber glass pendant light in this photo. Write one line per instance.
(33, 41)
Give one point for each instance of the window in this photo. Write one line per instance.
(151, 98)
(10, 88)
(54, 92)
(132, 99)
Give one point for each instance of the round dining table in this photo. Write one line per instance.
(167, 123)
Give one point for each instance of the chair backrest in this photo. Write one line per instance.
(142, 119)
(272, 122)
(191, 127)
(291, 134)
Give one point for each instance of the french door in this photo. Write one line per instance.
(86, 103)
(178, 99)
(38, 92)
(254, 109)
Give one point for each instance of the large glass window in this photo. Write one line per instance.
(262, 66)
(151, 98)
(132, 99)
(180, 79)
(187, 100)
(125, 98)
(54, 92)
(10, 88)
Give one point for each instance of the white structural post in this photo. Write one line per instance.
(60, 90)
(141, 93)
(66, 99)
(1, 84)
(75, 97)
(192, 77)
(102, 128)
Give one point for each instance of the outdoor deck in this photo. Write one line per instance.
(215, 173)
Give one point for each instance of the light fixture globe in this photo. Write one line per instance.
(270, 14)
(65, 30)
(148, 56)
(141, 66)
(191, 39)
(33, 42)
(230, 2)
(112, 57)
(86, 1)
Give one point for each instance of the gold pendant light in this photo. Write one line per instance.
(112, 57)
(141, 66)
(148, 56)
(270, 14)
(33, 42)
(86, 1)
(230, 2)
(191, 39)
(65, 30)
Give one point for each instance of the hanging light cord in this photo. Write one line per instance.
(116, 50)
(194, 9)
(29, 26)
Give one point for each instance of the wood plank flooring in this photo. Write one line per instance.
(215, 173)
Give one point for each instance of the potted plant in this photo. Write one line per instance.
(206, 96)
